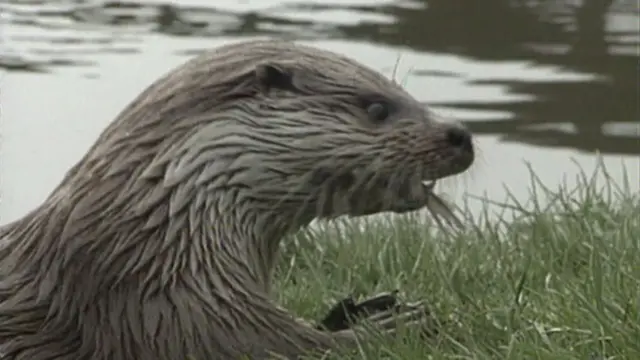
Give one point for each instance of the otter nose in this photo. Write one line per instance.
(459, 136)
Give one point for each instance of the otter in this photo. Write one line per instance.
(159, 244)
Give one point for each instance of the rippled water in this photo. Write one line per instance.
(71, 66)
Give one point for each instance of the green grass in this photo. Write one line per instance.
(557, 282)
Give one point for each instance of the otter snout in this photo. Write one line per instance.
(459, 136)
(460, 141)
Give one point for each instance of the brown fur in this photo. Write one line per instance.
(159, 244)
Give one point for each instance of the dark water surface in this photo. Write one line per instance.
(530, 85)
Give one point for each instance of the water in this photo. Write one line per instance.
(71, 66)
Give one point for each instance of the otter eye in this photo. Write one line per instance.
(378, 111)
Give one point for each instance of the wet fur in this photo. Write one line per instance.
(159, 244)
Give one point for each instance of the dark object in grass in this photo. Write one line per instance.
(346, 312)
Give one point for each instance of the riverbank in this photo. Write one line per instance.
(558, 282)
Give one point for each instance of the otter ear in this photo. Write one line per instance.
(274, 75)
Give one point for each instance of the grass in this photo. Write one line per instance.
(557, 282)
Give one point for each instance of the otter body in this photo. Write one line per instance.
(160, 242)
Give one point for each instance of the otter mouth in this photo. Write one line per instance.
(441, 211)
(415, 195)
(384, 194)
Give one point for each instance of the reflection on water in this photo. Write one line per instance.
(540, 81)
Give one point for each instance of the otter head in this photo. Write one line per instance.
(308, 134)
